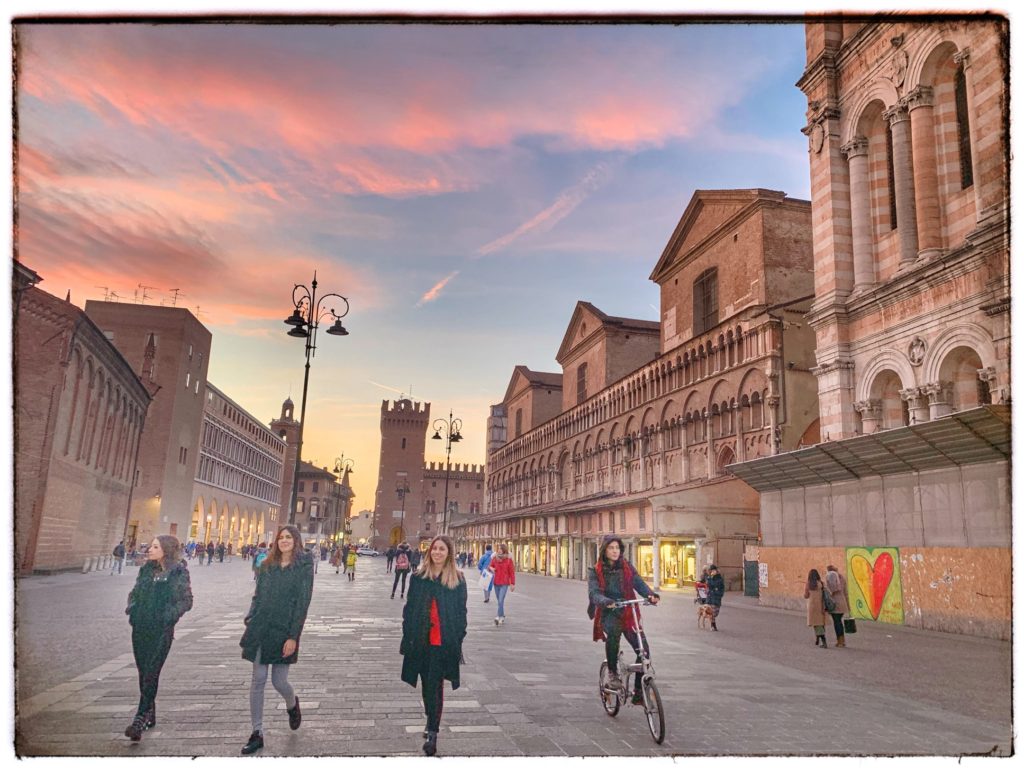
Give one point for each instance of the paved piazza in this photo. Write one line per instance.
(758, 687)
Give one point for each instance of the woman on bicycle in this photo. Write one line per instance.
(612, 579)
(433, 628)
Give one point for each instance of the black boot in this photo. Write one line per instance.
(134, 731)
(817, 640)
(295, 716)
(255, 742)
(714, 627)
(824, 642)
(151, 718)
(430, 745)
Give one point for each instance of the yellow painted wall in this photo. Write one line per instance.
(952, 589)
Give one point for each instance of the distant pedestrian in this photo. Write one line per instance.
(336, 559)
(273, 627)
(415, 556)
(716, 589)
(835, 583)
(816, 616)
(469, 559)
(481, 566)
(504, 579)
(220, 552)
(118, 566)
(402, 567)
(161, 595)
(433, 629)
(350, 564)
(345, 549)
(209, 551)
(258, 558)
(390, 555)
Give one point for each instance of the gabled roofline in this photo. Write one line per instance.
(533, 378)
(607, 321)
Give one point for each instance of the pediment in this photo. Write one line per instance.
(586, 321)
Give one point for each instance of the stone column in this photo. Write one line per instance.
(870, 414)
(917, 402)
(710, 437)
(920, 103)
(772, 403)
(940, 398)
(860, 213)
(684, 454)
(964, 58)
(988, 375)
(655, 560)
(903, 173)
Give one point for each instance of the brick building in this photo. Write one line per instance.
(237, 490)
(170, 351)
(908, 145)
(465, 484)
(322, 503)
(79, 413)
(634, 435)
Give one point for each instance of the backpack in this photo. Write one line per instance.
(402, 561)
(260, 557)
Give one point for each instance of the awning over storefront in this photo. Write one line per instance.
(968, 437)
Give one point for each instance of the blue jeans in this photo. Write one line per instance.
(500, 590)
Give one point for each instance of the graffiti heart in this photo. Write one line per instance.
(874, 580)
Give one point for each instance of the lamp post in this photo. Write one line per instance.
(342, 468)
(402, 490)
(305, 322)
(451, 429)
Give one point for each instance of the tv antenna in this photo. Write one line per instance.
(145, 296)
(106, 291)
(177, 292)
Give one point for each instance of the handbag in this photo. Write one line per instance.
(850, 626)
(486, 577)
(827, 601)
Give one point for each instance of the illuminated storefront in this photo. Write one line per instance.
(677, 561)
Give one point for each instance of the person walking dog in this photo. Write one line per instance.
(434, 624)
(716, 588)
(162, 594)
(273, 627)
(504, 571)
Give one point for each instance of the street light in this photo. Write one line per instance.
(402, 490)
(342, 468)
(451, 428)
(305, 322)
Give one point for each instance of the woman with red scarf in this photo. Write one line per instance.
(614, 578)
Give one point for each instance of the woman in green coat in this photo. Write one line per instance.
(433, 628)
(284, 586)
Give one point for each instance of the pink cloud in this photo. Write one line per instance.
(435, 291)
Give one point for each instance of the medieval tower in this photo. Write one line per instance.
(398, 504)
(287, 428)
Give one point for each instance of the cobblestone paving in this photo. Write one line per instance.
(758, 687)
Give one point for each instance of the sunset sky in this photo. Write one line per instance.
(463, 185)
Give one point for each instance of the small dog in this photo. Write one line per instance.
(704, 615)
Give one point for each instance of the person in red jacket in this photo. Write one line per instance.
(504, 579)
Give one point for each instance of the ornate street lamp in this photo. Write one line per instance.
(342, 468)
(402, 489)
(305, 321)
(451, 428)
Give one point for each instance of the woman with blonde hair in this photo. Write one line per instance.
(273, 626)
(433, 628)
(161, 595)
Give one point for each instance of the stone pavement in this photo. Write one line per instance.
(758, 687)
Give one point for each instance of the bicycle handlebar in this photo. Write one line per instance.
(638, 601)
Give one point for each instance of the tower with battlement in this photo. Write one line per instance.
(403, 432)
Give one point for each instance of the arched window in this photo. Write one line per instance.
(963, 128)
(705, 301)
(581, 383)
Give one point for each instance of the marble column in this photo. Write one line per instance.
(860, 213)
(903, 178)
(655, 562)
(920, 104)
(940, 398)
(917, 403)
(870, 415)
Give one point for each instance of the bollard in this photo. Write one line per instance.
(85, 565)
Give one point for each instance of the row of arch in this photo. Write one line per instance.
(218, 521)
(98, 422)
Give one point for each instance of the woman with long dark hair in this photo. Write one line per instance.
(284, 586)
(433, 628)
(161, 595)
(816, 615)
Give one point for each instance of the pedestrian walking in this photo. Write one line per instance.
(433, 628)
(336, 559)
(611, 579)
(209, 551)
(161, 595)
(345, 549)
(835, 583)
(504, 571)
(485, 560)
(716, 589)
(415, 557)
(816, 616)
(220, 552)
(273, 627)
(390, 555)
(118, 566)
(402, 567)
(350, 563)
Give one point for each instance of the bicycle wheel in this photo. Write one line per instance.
(654, 710)
(610, 701)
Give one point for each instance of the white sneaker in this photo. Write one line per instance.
(497, 621)
(501, 620)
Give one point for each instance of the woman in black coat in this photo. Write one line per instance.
(284, 586)
(433, 628)
(161, 595)
(716, 588)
